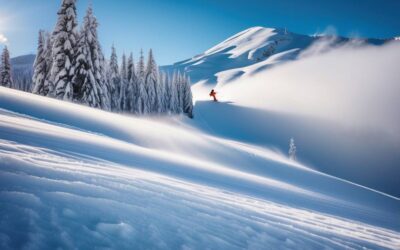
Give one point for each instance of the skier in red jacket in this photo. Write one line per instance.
(213, 94)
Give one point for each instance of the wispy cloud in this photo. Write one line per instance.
(3, 39)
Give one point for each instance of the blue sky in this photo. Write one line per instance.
(179, 29)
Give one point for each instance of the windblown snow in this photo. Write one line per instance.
(73, 177)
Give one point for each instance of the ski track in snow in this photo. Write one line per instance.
(53, 196)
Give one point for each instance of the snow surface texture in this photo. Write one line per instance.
(75, 177)
(337, 97)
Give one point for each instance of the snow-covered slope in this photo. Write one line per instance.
(243, 49)
(250, 47)
(76, 177)
(335, 96)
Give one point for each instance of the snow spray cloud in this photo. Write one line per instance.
(356, 86)
(322, 45)
(328, 40)
(329, 31)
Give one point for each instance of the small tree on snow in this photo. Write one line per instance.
(292, 150)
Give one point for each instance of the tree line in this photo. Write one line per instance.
(70, 65)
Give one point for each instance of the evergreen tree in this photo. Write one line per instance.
(82, 65)
(131, 73)
(174, 103)
(124, 83)
(131, 90)
(40, 66)
(65, 38)
(114, 81)
(49, 89)
(152, 84)
(180, 91)
(87, 81)
(99, 69)
(102, 74)
(187, 100)
(142, 101)
(169, 95)
(164, 97)
(5, 69)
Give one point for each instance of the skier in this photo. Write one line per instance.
(213, 94)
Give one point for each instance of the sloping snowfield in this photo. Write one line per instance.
(339, 102)
(72, 177)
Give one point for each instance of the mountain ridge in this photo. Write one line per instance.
(251, 46)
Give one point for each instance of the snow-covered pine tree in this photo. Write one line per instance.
(187, 100)
(164, 97)
(114, 81)
(98, 61)
(167, 92)
(106, 65)
(131, 67)
(130, 93)
(142, 100)
(152, 83)
(49, 89)
(180, 91)
(40, 66)
(82, 65)
(5, 69)
(124, 83)
(102, 75)
(65, 37)
(160, 92)
(292, 150)
(87, 82)
(174, 103)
